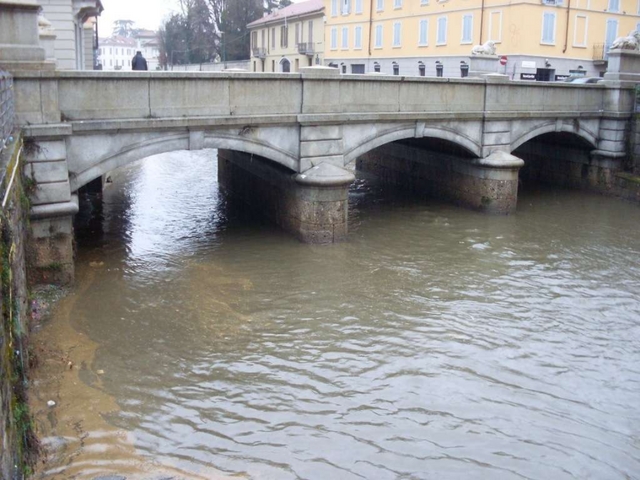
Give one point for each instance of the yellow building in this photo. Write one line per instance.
(542, 39)
(289, 38)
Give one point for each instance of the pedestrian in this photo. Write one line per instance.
(139, 62)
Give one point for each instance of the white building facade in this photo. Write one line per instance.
(116, 53)
(73, 24)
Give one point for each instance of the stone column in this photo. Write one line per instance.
(492, 183)
(311, 205)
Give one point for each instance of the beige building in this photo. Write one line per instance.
(289, 38)
(542, 39)
(73, 31)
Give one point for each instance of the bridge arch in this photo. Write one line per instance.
(146, 147)
(404, 132)
(551, 127)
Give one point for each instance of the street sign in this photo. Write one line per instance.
(503, 60)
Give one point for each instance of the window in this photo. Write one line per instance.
(334, 38)
(614, 6)
(611, 33)
(262, 34)
(424, 2)
(423, 32)
(441, 38)
(421, 69)
(396, 69)
(397, 3)
(548, 28)
(334, 8)
(345, 38)
(376, 67)
(397, 32)
(110, 52)
(357, 40)
(297, 33)
(378, 42)
(580, 31)
(284, 36)
(380, 5)
(254, 39)
(310, 32)
(495, 26)
(273, 39)
(467, 29)
(358, 6)
(346, 7)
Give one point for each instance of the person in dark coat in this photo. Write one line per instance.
(139, 62)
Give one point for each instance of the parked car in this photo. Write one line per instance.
(583, 80)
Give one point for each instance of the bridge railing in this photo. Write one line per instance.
(175, 96)
(7, 106)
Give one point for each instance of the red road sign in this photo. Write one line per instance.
(503, 60)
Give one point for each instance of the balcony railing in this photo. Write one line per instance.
(601, 52)
(260, 52)
(305, 49)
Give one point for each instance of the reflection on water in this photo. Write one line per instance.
(435, 343)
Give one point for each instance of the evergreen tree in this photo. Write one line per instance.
(123, 28)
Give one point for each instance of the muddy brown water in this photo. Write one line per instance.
(436, 343)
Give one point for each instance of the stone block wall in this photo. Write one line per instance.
(567, 166)
(312, 214)
(17, 442)
(432, 174)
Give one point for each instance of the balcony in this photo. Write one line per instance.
(306, 49)
(600, 53)
(260, 52)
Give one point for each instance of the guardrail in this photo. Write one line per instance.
(7, 108)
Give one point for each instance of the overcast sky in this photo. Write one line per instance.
(146, 13)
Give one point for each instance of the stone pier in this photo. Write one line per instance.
(486, 184)
(563, 164)
(311, 205)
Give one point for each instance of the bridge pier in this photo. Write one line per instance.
(487, 184)
(570, 166)
(311, 205)
(50, 243)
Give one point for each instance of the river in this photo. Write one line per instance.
(436, 343)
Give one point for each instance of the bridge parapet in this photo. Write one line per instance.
(49, 97)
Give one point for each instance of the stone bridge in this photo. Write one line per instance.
(284, 140)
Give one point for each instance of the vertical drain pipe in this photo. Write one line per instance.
(566, 31)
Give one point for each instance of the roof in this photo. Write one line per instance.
(146, 33)
(119, 41)
(293, 10)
